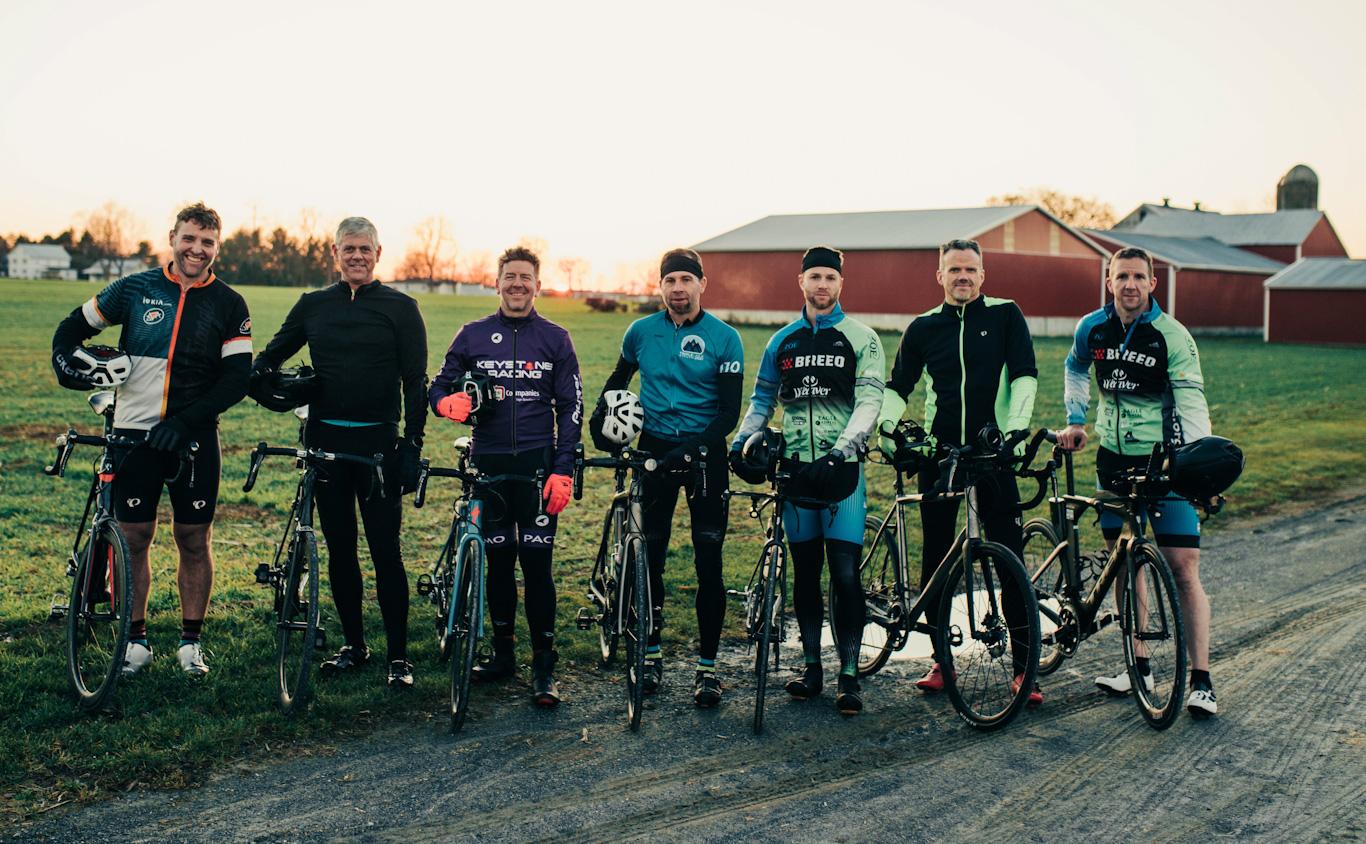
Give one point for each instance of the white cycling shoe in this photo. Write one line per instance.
(137, 657)
(1120, 685)
(191, 657)
(1201, 703)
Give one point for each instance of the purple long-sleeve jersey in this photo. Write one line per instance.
(538, 396)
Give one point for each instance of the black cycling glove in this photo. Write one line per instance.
(168, 435)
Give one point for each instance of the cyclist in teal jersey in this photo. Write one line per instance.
(1151, 391)
(827, 372)
(691, 373)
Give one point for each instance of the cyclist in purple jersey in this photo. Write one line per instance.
(531, 423)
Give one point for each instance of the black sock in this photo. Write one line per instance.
(1141, 662)
(190, 628)
(1200, 680)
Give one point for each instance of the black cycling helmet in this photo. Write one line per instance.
(1202, 469)
(758, 457)
(284, 389)
(479, 387)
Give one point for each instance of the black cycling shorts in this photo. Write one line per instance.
(140, 473)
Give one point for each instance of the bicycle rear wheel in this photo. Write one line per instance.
(1150, 619)
(988, 636)
(1049, 585)
(99, 615)
(462, 627)
(296, 625)
(769, 620)
(609, 626)
(636, 607)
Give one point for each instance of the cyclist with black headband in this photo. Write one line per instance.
(827, 371)
(532, 424)
(1151, 391)
(368, 343)
(188, 335)
(979, 359)
(691, 368)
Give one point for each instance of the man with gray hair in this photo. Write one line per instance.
(368, 344)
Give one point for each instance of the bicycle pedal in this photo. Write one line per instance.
(586, 619)
(424, 584)
(57, 611)
(263, 574)
(1103, 621)
(319, 639)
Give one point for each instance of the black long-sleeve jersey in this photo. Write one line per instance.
(364, 346)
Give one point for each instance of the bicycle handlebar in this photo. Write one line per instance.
(427, 471)
(314, 456)
(66, 444)
(630, 458)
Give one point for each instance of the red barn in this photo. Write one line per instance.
(1052, 270)
(1285, 235)
(1317, 300)
(1208, 285)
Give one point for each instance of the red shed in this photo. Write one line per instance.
(1286, 235)
(1052, 270)
(1317, 300)
(1208, 285)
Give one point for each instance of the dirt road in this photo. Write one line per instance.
(1285, 761)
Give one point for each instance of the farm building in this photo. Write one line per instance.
(1317, 300)
(1053, 271)
(1206, 284)
(40, 260)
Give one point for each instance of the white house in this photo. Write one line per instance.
(40, 260)
(108, 269)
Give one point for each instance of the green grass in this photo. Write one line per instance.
(1295, 411)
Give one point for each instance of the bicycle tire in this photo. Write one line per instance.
(444, 591)
(637, 611)
(769, 617)
(979, 669)
(462, 628)
(1040, 538)
(1160, 705)
(98, 641)
(877, 573)
(609, 627)
(296, 625)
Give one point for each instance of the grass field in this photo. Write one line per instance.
(1295, 411)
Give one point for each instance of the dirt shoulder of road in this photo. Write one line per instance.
(1283, 761)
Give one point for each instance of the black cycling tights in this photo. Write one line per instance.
(540, 593)
(340, 488)
(808, 558)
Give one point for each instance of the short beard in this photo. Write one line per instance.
(680, 310)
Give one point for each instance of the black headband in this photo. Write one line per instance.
(823, 256)
(680, 263)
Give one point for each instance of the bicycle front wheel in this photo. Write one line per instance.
(99, 615)
(462, 628)
(636, 607)
(1040, 539)
(296, 625)
(882, 634)
(988, 636)
(1150, 623)
(769, 621)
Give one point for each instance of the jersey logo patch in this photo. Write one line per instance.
(245, 327)
(497, 338)
(693, 347)
(152, 316)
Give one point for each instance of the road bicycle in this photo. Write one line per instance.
(1071, 587)
(455, 583)
(293, 573)
(619, 586)
(987, 636)
(99, 608)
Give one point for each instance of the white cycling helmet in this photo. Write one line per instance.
(625, 416)
(105, 366)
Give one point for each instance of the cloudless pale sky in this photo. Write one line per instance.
(616, 130)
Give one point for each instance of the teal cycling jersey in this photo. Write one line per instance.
(1151, 387)
(680, 366)
(828, 378)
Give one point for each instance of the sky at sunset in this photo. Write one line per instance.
(616, 130)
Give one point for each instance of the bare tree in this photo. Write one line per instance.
(1081, 211)
(574, 271)
(110, 227)
(431, 254)
(539, 245)
(476, 268)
